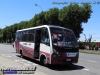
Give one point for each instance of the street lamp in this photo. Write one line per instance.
(42, 12)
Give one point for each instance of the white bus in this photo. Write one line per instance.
(48, 43)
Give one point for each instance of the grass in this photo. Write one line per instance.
(89, 51)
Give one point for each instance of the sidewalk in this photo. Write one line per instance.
(10, 63)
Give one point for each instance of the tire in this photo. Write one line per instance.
(21, 53)
(43, 61)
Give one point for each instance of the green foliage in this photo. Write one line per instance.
(51, 16)
(70, 17)
(80, 43)
(92, 44)
(73, 15)
(0, 34)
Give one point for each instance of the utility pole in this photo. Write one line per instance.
(42, 12)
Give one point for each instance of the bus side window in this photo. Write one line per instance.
(45, 36)
(31, 37)
(17, 36)
(24, 37)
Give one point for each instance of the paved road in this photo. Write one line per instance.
(89, 64)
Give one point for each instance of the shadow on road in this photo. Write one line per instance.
(56, 67)
(66, 67)
(29, 59)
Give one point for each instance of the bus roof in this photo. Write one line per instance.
(42, 26)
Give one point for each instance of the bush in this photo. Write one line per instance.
(81, 47)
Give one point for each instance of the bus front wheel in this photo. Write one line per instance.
(43, 60)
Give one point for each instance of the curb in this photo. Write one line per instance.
(4, 59)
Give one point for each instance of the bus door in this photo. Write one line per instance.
(37, 43)
(45, 44)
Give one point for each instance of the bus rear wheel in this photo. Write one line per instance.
(21, 53)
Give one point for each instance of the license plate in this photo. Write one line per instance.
(71, 54)
(68, 59)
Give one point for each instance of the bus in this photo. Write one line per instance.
(48, 44)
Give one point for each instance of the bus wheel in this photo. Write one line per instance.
(21, 53)
(43, 61)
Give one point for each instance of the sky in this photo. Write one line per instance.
(15, 11)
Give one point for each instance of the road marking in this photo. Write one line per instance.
(34, 64)
(23, 60)
(91, 61)
(17, 60)
(86, 69)
(88, 61)
(8, 56)
(12, 51)
(13, 54)
(27, 64)
(3, 54)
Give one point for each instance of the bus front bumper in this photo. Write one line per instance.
(65, 60)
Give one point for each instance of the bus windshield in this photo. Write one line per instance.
(63, 37)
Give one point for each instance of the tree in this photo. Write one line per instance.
(81, 45)
(73, 16)
(51, 16)
(1, 35)
(92, 44)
